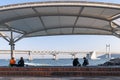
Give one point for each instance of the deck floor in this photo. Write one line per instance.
(60, 78)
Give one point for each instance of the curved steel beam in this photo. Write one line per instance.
(13, 29)
(116, 35)
(68, 27)
(59, 3)
(66, 34)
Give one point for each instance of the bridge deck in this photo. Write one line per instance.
(59, 71)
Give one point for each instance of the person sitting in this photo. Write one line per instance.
(76, 62)
(12, 62)
(21, 62)
(85, 62)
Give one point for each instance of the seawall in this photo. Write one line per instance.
(57, 71)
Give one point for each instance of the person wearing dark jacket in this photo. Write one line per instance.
(85, 62)
(21, 62)
(76, 62)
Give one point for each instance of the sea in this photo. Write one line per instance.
(58, 62)
(53, 62)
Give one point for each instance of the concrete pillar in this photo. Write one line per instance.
(29, 56)
(73, 56)
(55, 56)
(12, 45)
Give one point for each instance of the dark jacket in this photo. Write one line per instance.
(85, 62)
(76, 62)
(21, 63)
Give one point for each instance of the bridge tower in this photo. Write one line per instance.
(108, 55)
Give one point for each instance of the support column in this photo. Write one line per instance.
(12, 45)
(55, 56)
(73, 56)
(11, 41)
(29, 56)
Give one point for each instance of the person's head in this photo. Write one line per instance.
(12, 58)
(84, 57)
(76, 58)
(21, 58)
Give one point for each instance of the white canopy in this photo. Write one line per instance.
(61, 18)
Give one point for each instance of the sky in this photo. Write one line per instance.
(63, 43)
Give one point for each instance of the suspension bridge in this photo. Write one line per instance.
(89, 54)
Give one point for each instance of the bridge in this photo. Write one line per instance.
(89, 54)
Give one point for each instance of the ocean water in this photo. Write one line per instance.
(48, 60)
(52, 62)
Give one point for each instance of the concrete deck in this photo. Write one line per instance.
(60, 78)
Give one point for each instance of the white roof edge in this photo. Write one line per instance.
(60, 3)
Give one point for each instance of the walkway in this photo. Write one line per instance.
(59, 78)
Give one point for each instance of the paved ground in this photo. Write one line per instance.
(60, 78)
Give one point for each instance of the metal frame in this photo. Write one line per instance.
(57, 4)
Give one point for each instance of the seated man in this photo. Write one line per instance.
(21, 62)
(85, 62)
(76, 62)
(12, 62)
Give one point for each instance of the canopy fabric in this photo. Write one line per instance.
(61, 18)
